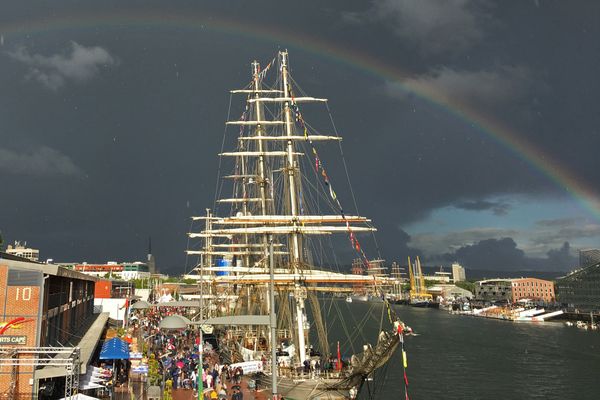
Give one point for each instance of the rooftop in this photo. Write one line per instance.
(15, 262)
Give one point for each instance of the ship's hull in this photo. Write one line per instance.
(306, 389)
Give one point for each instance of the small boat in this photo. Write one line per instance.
(349, 299)
(419, 302)
(568, 323)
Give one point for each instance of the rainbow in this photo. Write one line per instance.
(498, 132)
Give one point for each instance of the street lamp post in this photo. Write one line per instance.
(272, 320)
(200, 383)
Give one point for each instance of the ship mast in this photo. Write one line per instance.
(260, 133)
(291, 163)
(295, 262)
(260, 143)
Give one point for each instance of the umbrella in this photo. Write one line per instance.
(140, 305)
(174, 322)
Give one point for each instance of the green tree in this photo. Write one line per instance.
(153, 371)
(467, 285)
(429, 283)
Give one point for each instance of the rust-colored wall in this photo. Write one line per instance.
(102, 290)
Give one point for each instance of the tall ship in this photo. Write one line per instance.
(418, 297)
(267, 247)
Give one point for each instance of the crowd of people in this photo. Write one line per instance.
(177, 356)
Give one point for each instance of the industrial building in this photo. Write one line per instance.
(580, 290)
(49, 331)
(449, 292)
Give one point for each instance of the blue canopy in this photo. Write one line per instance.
(115, 349)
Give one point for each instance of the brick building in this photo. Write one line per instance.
(533, 288)
(45, 311)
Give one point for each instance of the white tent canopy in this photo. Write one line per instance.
(80, 396)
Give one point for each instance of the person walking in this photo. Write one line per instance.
(237, 395)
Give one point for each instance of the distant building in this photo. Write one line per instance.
(100, 270)
(449, 292)
(136, 270)
(438, 276)
(21, 250)
(513, 290)
(588, 257)
(494, 290)
(458, 273)
(152, 264)
(151, 260)
(126, 271)
(580, 289)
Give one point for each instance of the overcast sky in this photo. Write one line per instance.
(470, 126)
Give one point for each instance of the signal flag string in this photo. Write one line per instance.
(320, 170)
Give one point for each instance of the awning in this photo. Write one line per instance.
(87, 344)
(115, 349)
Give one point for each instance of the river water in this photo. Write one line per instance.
(462, 357)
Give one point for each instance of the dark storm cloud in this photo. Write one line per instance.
(561, 258)
(43, 161)
(437, 243)
(503, 254)
(79, 64)
(492, 254)
(402, 246)
(498, 208)
(434, 26)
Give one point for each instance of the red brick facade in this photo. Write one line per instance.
(532, 288)
(18, 301)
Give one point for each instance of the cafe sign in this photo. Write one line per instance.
(13, 340)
